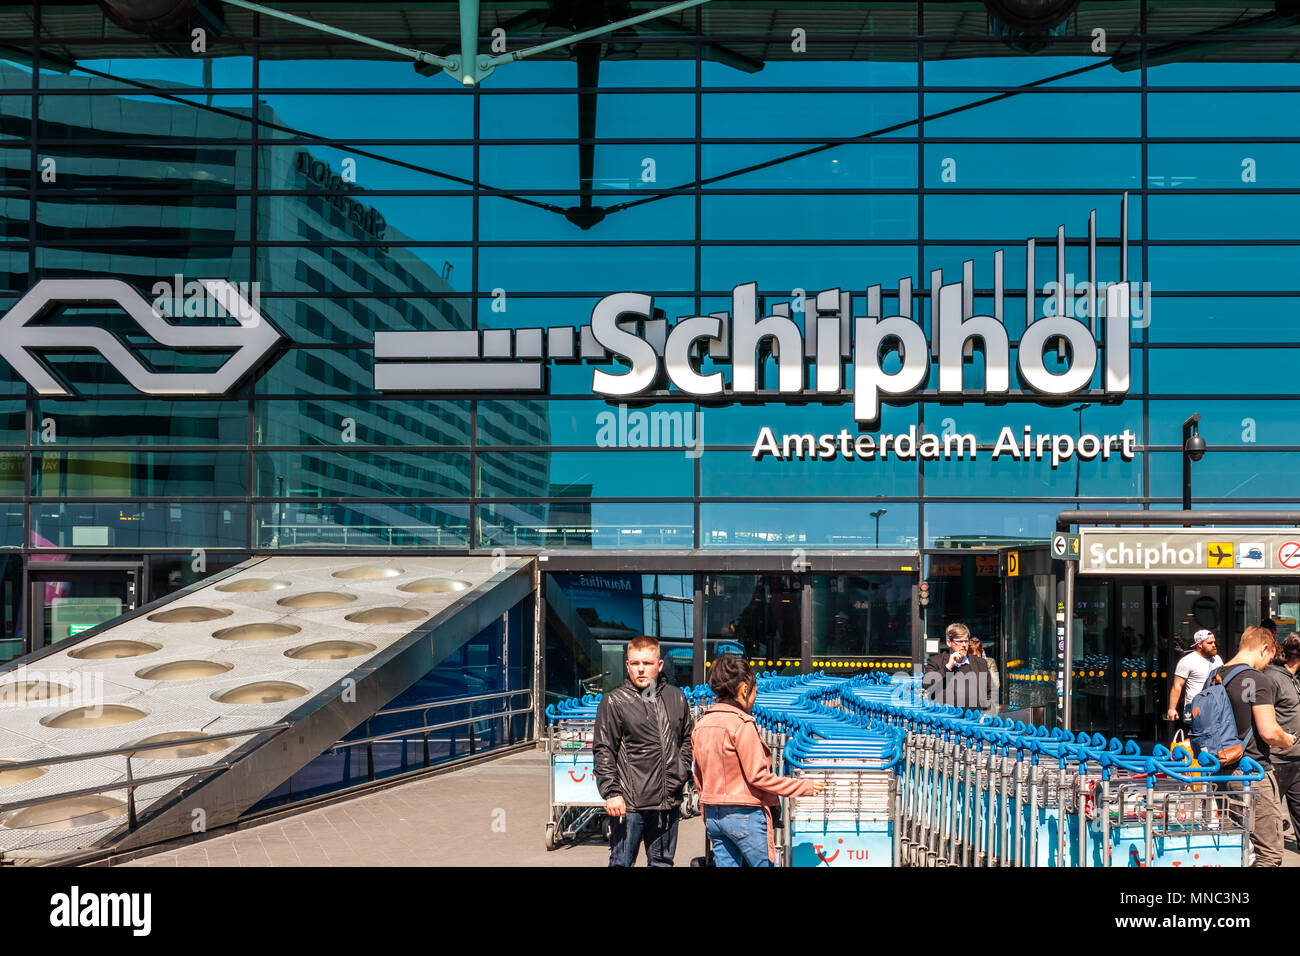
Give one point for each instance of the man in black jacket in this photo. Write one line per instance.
(642, 754)
(955, 677)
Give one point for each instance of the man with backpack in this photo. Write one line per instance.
(1234, 717)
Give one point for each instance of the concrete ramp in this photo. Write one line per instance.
(290, 653)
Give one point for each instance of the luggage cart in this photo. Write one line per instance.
(576, 805)
(852, 822)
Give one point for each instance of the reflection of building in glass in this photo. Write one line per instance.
(177, 206)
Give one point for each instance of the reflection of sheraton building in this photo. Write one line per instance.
(801, 232)
(331, 296)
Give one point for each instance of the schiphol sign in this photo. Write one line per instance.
(1260, 552)
(889, 354)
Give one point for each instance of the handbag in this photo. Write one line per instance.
(1182, 743)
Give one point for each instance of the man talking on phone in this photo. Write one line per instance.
(642, 755)
(955, 677)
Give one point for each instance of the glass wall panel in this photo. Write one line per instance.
(973, 524)
(122, 474)
(428, 114)
(996, 64)
(222, 70)
(591, 422)
(1227, 474)
(1253, 218)
(778, 269)
(1083, 165)
(577, 524)
(305, 371)
(364, 422)
(592, 474)
(354, 320)
(985, 477)
(544, 219)
(801, 74)
(377, 525)
(803, 116)
(882, 164)
(1202, 318)
(738, 474)
(1221, 165)
(1223, 371)
(813, 525)
(974, 118)
(13, 477)
(360, 474)
(515, 116)
(613, 166)
(135, 525)
(140, 421)
(1231, 423)
(806, 216)
(361, 269)
(586, 269)
(1223, 115)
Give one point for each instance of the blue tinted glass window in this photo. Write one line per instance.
(782, 525)
(591, 474)
(130, 525)
(375, 525)
(1223, 371)
(575, 524)
(739, 474)
(362, 475)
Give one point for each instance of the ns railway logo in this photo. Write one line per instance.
(889, 354)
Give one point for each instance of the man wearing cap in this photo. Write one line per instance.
(1190, 675)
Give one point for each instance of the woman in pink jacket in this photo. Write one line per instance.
(733, 771)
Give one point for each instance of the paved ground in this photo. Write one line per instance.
(493, 814)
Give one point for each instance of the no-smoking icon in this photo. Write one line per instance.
(1289, 555)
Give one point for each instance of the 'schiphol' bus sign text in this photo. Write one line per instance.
(1250, 551)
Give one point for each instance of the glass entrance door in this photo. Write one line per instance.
(65, 602)
(1122, 651)
(758, 616)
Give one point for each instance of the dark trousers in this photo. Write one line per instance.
(1288, 785)
(657, 829)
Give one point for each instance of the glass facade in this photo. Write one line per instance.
(815, 148)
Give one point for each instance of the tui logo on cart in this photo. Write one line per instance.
(816, 344)
(817, 848)
(24, 342)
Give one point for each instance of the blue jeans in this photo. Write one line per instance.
(657, 829)
(738, 835)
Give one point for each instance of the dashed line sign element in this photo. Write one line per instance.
(1289, 555)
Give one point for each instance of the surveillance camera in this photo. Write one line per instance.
(1195, 448)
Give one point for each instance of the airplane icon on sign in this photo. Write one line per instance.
(1220, 556)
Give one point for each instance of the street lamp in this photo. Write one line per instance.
(876, 515)
(1193, 450)
(1077, 463)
